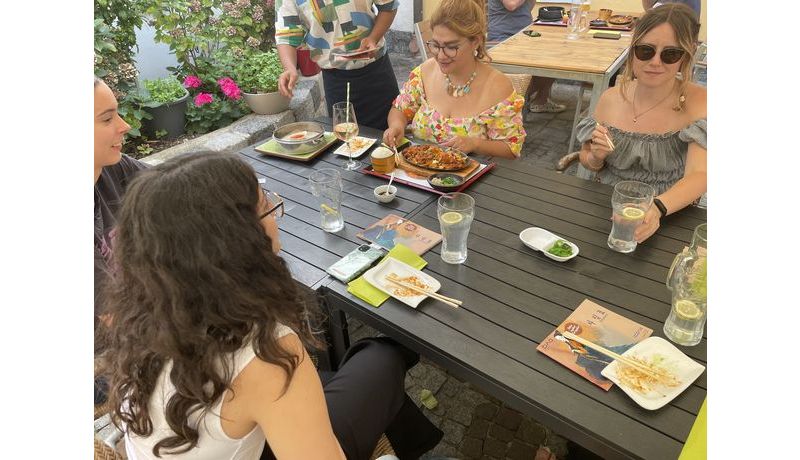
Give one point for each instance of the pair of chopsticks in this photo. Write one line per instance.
(441, 298)
(608, 139)
(622, 359)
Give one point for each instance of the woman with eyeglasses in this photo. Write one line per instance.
(207, 351)
(655, 119)
(455, 98)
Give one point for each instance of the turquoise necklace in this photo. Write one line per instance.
(460, 90)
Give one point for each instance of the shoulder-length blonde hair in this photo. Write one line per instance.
(466, 18)
(687, 28)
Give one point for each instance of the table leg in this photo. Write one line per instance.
(339, 337)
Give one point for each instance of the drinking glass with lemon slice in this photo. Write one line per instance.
(630, 201)
(455, 212)
(326, 185)
(686, 320)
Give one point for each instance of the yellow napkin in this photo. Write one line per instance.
(360, 288)
(696, 444)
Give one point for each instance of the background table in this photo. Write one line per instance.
(514, 297)
(586, 59)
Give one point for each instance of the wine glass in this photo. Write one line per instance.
(345, 127)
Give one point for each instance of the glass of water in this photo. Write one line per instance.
(455, 212)
(686, 319)
(630, 201)
(326, 185)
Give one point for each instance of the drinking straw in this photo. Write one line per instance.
(347, 106)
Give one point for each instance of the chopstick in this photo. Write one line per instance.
(608, 139)
(622, 359)
(444, 299)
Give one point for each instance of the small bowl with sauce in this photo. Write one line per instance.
(293, 135)
(385, 193)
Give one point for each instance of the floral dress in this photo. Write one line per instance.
(501, 122)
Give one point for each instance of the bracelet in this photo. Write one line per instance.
(588, 164)
(661, 208)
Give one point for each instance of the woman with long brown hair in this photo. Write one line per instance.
(207, 348)
(456, 98)
(655, 118)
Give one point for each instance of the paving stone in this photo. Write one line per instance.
(531, 432)
(509, 418)
(495, 448)
(453, 432)
(433, 379)
(472, 447)
(487, 410)
(518, 450)
(460, 413)
(471, 397)
(452, 387)
(478, 428)
(442, 449)
(500, 432)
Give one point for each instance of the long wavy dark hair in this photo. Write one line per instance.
(194, 280)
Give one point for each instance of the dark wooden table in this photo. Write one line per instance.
(513, 296)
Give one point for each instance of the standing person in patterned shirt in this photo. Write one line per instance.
(331, 27)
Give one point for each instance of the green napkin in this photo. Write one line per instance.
(696, 444)
(360, 288)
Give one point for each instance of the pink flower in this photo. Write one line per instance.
(192, 81)
(203, 99)
(229, 88)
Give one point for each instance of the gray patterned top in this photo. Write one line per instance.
(656, 159)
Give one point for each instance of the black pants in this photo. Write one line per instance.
(372, 91)
(366, 398)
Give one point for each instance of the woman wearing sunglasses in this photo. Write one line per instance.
(207, 355)
(456, 99)
(655, 119)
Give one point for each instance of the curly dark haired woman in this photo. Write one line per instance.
(207, 349)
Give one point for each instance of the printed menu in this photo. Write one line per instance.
(598, 325)
(393, 229)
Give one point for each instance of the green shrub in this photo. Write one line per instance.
(258, 72)
(164, 90)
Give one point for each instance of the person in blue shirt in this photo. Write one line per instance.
(506, 18)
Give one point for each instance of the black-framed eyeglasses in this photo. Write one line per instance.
(669, 55)
(274, 204)
(450, 51)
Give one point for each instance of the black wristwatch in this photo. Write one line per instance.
(661, 208)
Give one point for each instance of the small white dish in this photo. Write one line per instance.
(359, 144)
(540, 239)
(376, 276)
(385, 197)
(675, 361)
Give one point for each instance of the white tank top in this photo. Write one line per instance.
(213, 443)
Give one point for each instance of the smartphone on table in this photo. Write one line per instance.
(355, 262)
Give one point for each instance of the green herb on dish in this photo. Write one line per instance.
(446, 181)
(561, 249)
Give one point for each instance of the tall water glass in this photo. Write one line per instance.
(326, 185)
(686, 319)
(455, 212)
(630, 202)
(345, 127)
(574, 22)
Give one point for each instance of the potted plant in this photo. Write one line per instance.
(167, 107)
(257, 75)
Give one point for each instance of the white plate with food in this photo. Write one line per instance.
(407, 274)
(358, 144)
(551, 245)
(675, 371)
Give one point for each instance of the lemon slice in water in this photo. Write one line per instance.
(632, 213)
(686, 309)
(451, 217)
(328, 209)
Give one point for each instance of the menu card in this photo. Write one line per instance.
(393, 229)
(598, 325)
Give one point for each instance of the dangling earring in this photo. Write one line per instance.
(475, 53)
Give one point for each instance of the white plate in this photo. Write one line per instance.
(684, 368)
(360, 145)
(540, 239)
(376, 276)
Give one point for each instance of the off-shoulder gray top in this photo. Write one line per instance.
(656, 159)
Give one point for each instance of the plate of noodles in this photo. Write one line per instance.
(435, 158)
(673, 372)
